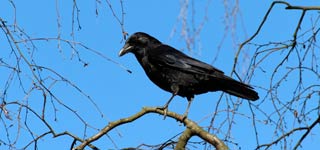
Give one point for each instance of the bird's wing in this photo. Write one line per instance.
(165, 55)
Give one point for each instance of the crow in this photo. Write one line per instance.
(179, 74)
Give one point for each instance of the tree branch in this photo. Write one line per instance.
(289, 7)
(308, 129)
(192, 128)
(317, 121)
(184, 138)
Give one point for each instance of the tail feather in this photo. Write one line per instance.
(238, 89)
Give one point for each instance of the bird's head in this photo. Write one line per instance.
(138, 43)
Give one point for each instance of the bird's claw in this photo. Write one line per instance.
(165, 111)
(184, 116)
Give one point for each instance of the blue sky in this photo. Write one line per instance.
(119, 94)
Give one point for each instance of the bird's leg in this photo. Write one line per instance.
(165, 107)
(168, 102)
(187, 110)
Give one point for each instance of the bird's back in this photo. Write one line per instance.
(168, 68)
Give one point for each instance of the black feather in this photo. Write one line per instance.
(178, 73)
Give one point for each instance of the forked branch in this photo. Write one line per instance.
(193, 129)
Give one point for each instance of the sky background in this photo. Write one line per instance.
(119, 94)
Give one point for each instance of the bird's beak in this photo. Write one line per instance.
(125, 49)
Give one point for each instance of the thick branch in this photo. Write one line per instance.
(192, 126)
(183, 140)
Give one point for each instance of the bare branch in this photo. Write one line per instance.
(120, 21)
(192, 126)
(304, 8)
(183, 139)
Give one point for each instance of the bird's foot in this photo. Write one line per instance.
(165, 111)
(185, 116)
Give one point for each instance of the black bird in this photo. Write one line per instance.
(179, 74)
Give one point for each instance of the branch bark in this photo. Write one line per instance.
(191, 130)
(184, 138)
